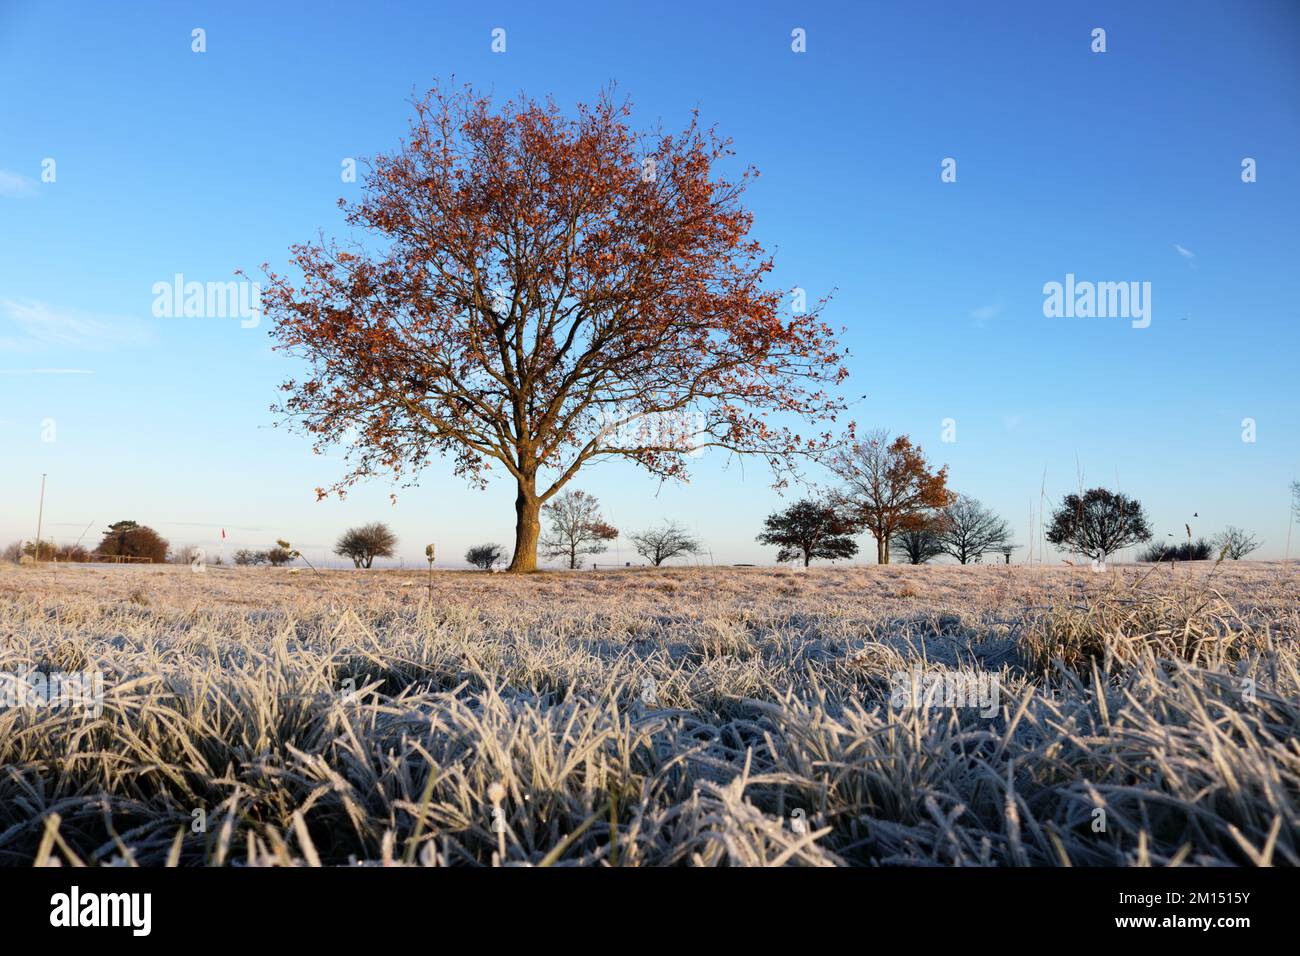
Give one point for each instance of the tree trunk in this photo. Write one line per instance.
(806, 558)
(528, 527)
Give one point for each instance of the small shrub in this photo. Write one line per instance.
(1198, 550)
(483, 556)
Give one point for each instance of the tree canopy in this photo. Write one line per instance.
(810, 529)
(888, 486)
(1098, 523)
(132, 540)
(364, 544)
(484, 556)
(537, 290)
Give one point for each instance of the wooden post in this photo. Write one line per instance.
(40, 517)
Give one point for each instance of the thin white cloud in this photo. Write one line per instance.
(985, 313)
(46, 371)
(1184, 251)
(29, 326)
(15, 186)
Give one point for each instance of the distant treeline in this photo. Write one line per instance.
(890, 493)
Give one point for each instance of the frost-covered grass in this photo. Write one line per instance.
(656, 717)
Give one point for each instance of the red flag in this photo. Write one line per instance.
(223, 534)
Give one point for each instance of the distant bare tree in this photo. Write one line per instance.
(364, 544)
(967, 530)
(576, 527)
(669, 540)
(247, 557)
(278, 556)
(483, 556)
(1233, 542)
(185, 555)
(920, 542)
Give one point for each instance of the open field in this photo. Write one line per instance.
(1145, 715)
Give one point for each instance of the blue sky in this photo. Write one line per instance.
(1115, 166)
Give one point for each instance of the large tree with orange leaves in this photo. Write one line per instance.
(888, 486)
(536, 291)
